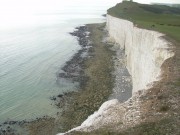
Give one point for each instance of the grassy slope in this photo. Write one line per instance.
(165, 19)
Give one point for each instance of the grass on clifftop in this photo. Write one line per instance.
(161, 18)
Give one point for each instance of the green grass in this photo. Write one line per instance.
(161, 18)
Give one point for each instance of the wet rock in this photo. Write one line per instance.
(53, 98)
(12, 122)
(5, 123)
(60, 95)
(73, 70)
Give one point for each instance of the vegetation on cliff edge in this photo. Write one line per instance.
(161, 18)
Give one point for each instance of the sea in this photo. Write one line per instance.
(34, 45)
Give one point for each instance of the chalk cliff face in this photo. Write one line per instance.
(145, 51)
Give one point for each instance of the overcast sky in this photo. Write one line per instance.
(11, 10)
(42, 5)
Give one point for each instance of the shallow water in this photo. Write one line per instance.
(32, 50)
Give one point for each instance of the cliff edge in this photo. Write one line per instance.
(152, 59)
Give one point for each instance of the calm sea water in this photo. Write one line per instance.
(33, 48)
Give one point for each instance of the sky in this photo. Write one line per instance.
(42, 5)
(22, 10)
(30, 6)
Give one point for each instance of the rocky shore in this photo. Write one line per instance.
(95, 76)
(72, 71)
(92, 68)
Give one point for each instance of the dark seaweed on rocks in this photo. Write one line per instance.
(8, 127)
(73, 69)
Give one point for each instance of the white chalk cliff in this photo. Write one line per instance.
(145, 50)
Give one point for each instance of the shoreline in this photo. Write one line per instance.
(73, 72)
(98, 68)
(90, 95)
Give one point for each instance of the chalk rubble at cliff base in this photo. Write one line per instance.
(145, 52)
(111, 113)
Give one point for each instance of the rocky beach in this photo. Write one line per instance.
(92, 68)
(73, 72)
